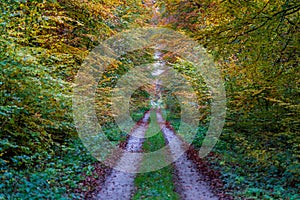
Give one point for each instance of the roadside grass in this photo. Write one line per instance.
(113, 132)
(156, 184)
(138, 114)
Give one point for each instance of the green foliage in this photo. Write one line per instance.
(56, 176)
(139, 104)
(34, 108)
(199, 86)
(269, 174)
(43, 44)
(139, 99)
(113, 133)
(256, 44)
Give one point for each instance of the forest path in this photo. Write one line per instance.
(189, 181)
(119, 184)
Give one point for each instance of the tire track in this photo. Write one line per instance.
(191, 185)
(119, 184)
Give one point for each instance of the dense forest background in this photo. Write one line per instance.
(43, 44)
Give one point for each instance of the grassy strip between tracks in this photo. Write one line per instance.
(156, 184)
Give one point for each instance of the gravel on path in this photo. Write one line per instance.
(120, 184)
(190, 182)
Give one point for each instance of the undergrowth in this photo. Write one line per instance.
(250, 170)
(48, 175)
